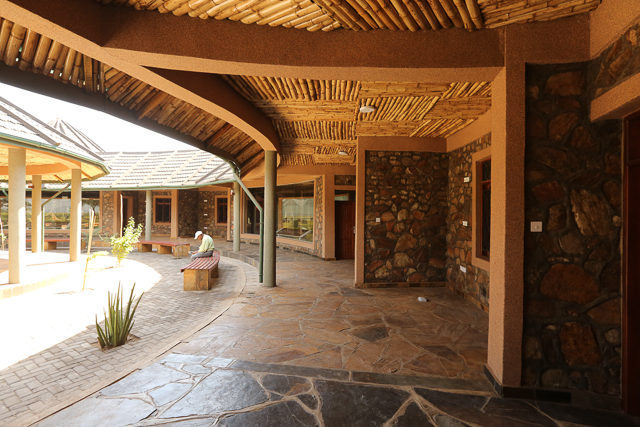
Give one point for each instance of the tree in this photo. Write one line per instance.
(122, 246)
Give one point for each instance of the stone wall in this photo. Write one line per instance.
(318, 216)
(345, 180)
(407, 191)
(474, 284)
(209, 208)
(188, 204)
(618, 62)
(107, 212)
(572, 320)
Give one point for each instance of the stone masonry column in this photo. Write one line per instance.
(75, 230)
(17, 213)
(270, 218)
(148, 217)
(36, 214)
(236, 216)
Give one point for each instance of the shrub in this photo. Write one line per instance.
(122, 246)
(118, 322)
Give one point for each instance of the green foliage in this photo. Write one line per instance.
(96, 255)
(122, 246)
(119, 321)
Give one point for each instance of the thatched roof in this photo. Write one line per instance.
(45, 146)
(412, 15)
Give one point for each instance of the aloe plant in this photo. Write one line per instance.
(119, 321)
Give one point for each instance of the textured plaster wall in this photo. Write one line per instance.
(572, 320)
(474, 284)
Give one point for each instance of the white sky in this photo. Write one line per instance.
(110, 133)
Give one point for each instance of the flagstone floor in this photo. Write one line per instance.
(315, 318)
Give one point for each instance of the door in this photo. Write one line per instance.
(631, 268)
(345, 230)
(127, 210)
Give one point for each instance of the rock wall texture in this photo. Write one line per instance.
(188, 212)
(407, 191)
(345, 180)
(618, 62)
(318, 216)
(107, 212)
(208, 207)
(572, 274)
(474, 284)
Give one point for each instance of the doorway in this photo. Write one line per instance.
(127, 212)
(345, 214)
(631, 269)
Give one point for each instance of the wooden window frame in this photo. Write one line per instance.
(226, 197)
(155, 204)
(478, 260)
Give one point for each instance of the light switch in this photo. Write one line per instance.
(205, 214)
(536, 226)
(205, 228)
(377, 219)
(467, 179)
(465, 223)
(463, 269)
(205, 201)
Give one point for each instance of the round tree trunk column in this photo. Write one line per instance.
(17, 213)
(270, 218)
(236, 216)
(75, 231)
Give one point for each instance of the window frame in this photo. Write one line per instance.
(478, 259)
(217, 211)
(155, 209)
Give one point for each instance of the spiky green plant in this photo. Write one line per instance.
(119, 321)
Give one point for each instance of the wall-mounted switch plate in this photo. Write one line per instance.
(463, 269)
(536, 226)
(205, 228)
(467, 179)
(377, 219)
(465, 223)
(205, 214)
(205, 201)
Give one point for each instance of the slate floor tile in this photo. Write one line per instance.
(100, 412)
(289, 414)
(585, 416)
(413, 417)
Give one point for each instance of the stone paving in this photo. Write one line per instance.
(54, 358)
(315, 318)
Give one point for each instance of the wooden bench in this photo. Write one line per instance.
(175, 248)
(199, 274)
(52, 244)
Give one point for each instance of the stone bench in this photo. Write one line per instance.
(175, 248)
(199, 274)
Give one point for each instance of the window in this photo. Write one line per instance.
(163, 210)
(485, 209)
(221, 209)
(481, 207)
(295, 211)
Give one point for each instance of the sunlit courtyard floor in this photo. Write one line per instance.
(49, 353)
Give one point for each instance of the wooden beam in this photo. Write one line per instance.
(218, 134)
(88, 74)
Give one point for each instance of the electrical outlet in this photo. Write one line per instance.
(463, 269)
(467, 179)
(536, 226)
(377, 219)
(465, 223)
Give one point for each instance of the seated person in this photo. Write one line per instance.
(206, 248)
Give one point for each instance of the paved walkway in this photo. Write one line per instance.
(54, 358)
(219, 376)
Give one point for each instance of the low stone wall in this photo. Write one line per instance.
(405, 214)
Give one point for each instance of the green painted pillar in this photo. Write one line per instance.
(236, 217)
(270, 218)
